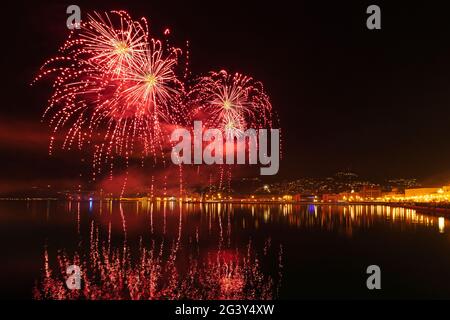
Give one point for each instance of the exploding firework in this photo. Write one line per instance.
(111, 49)
(112, 81)
(232, 103)
(153, 86)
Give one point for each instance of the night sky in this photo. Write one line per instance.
(376, 102)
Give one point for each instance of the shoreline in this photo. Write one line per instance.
(426, 207)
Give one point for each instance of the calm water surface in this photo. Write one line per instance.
(142, 250)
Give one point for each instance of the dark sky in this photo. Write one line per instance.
(377, 102)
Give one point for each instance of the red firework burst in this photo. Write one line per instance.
(111, 80)
(111, 46)
(232, 103)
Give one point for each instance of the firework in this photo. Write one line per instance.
(232, 103)
(113, 86)
(111, 49)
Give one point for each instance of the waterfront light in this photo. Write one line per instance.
(441, 224)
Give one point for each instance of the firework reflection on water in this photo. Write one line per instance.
(165, 267)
